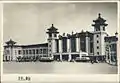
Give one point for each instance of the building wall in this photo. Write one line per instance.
(19, 51)
(111, 52)
(102, 46)
(37, 51)
(99, 45)
(11, 53)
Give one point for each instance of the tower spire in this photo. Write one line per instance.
(99, 15)
(52, 29)
(52, 25)
(116, 33)
(99, 22)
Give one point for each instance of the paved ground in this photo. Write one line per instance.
(58, 68)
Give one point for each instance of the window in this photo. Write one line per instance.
(23, 51)
(15, 52)
(40, 51)
(103, 28)
(49, 41)
(50, 35)
(49, 45)
(7, 51)
(37, 51)
(30, 52)
(50, 55)
(33, 51)
(98, 29)
(97, 41)
(97, 47)
(44, 51)
(98, 53)
(19, 52)
(97, 35)
(26, 51)
(55, 35)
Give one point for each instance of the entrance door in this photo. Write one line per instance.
(65, 57)
(74, 56)
(57, 57)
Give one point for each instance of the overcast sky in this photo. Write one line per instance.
(27, 23)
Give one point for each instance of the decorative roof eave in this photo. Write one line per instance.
(13, 46)
(60, 37)
(52, 32)
(116, 33)
(35, 45)
(84, 34)
(11, 42)
(110, 39)
(52, 28)
(99, 24)
(72, 36)
(99, 20)
(76, 35)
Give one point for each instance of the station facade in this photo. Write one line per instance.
(67, 47)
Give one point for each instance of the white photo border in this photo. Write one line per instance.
(59, 77)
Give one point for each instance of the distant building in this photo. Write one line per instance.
(111, 48)
(66, 47)
(12, 51)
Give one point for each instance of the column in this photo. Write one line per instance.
(60, 49)
(60, 56)
(60, 46)
(79, 47)
(94, 45)
(109, 55)
(87, 44)
(68, 45)
(35, 53)
(77, 44)
(53, 46)
(11, 56)
(42, 51)
(69, 56)
(69, 49)
(49, 48)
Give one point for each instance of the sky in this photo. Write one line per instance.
(27, 23)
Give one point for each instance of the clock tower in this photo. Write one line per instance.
(99, 34)
(52, 36)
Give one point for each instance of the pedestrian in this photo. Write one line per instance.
(91, 60)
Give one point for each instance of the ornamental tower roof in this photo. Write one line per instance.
(10, 42)
(99, 21)
(52, 29)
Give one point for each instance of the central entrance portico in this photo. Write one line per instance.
(65, 57)
(68, 56)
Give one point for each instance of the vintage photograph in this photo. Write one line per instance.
(60, 38)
